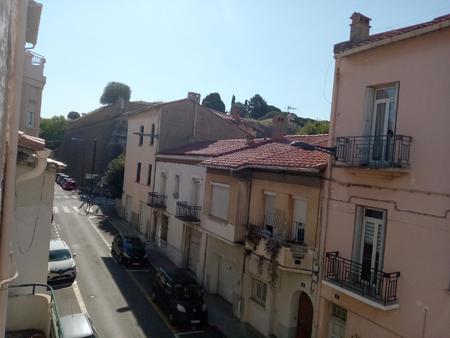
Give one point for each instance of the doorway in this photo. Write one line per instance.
(304, 317)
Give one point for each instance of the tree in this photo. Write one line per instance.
(257, 107)
(242, 109)
(314, 128)
(115, 91)
(114, 175)
(214, 101)
(52, 130)
(233, 101)
(73, 115)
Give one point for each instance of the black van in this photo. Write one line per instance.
(180, 296)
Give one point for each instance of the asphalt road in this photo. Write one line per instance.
(116, 299)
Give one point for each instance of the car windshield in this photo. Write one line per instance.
(187, 291)
(133, 243)
(59, 255)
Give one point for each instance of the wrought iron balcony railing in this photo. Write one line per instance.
(156, 200)
(383, 151)
(188, 213)
(378, 286)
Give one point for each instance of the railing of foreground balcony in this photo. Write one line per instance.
(188, 213)
(35, 59)
(383, 151)
(156, 200)
(55, 325)
(365, 281)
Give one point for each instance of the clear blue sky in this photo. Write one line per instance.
(163, 49)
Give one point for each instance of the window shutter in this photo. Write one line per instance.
(270, 208)
(368, 111)
(219, 201)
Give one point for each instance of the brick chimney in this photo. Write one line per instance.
(278, 125)
(359, 28)
(194, 97)
(234, 112)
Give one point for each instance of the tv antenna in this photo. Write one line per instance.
(289, 108)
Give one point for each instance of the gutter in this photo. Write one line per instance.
(291, 169)
(400, 37)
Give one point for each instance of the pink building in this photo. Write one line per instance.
(386, 221)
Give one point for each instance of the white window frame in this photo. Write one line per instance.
(259, 291)
(266, 223)
(297, 222)
(196, 185)
(176, 186)
(338, 320)
(226, 206)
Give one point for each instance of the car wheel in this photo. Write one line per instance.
(153, 295)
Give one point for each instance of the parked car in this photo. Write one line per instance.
(61, 263)
(60, 177)
(68, 184)
(128, 249)
(78, 325)
(180, 297)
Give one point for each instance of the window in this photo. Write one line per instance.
(338, 320)
(149, 174)
(141, 135)
(163, 183)
(195, 193)
(368, 246)
(152, 135)
(219, 200)
(269, 212)
(30, 119)
(138, 172)
(259, 291)
(299, 220)
(176, 187)
(164, 228)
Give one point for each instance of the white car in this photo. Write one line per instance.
(61, 263)
(77, 325)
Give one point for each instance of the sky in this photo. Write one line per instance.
(162, 49)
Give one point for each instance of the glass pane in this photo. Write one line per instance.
(385, 93)
(378, 214)
(379, 119)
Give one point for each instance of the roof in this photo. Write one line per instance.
(57, 244)
(76, 326)
(31, 142)
(275, 154)
(212, 148)
(347, 45)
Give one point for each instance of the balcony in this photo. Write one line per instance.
(32, 311)
(291, 255)
(377, 287)
(188, 213)
(156, 200)
(34, 65)
(378, 152)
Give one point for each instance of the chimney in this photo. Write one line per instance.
(278, 124)
(194, 97)
(359, 28)
(249, 140)
(234, 112)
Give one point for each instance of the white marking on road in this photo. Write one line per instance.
(55, 210)
(65, 196)
(99, 233)
(187, 332)
(136, 270)
(57, 196)
(80, 300)
(66, 209)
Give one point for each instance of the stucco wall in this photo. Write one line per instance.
(417, 202)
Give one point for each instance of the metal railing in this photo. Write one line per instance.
(383, 151)
(35, 59)
(188, 213)
(55, 327)
(365, 281)
(156, 200)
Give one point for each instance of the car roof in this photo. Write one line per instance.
(58, 244)
(76, 326)
(179, 276)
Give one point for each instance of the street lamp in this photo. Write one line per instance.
(312, 147)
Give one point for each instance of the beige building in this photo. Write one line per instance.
(386, 221)
(158, 128)
(260, 218)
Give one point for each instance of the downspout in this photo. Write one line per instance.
(327, 182)
(14, 83)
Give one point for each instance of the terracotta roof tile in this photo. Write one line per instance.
(390, 34)
(275, 154)
(31, 142)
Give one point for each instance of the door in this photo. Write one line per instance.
(383, 124)
(129, 204)
(304, 317)
(226, 280)
(143, 217)
(372, 245)
(194, 250)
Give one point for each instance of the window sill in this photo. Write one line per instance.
(218, 219)
(260, 304)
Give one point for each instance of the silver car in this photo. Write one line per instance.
(61, 265)
(77, 325)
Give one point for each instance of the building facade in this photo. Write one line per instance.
(386, 220)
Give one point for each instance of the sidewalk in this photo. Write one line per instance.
(220, 311)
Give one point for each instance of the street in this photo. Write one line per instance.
(116, 299)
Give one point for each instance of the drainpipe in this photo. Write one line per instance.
(14, 83)
(327, 190)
